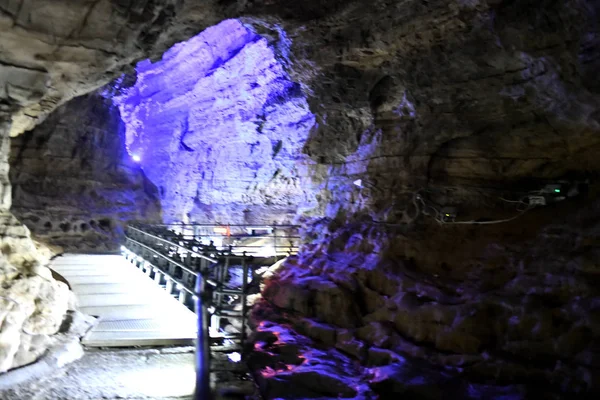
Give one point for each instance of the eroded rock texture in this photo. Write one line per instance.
(74, 184)
(32, 303)
(220, 129)
(53, 51)
(464, 102)
(503, 305)
(467, 104)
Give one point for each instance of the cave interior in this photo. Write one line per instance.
(439, 160)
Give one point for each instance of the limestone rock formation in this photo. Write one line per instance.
(497, 304)
(53, 51)
(32, 303)
(73, 183)
(220, 129)
(418, 105)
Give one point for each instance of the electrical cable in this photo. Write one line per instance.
(473, 222)
(512, 201)
(499, 221)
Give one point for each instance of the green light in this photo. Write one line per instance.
(557, 190)
(447, 215)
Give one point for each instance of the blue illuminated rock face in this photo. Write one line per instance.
(219, 128)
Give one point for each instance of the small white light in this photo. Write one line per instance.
(123, 248)
(358, 183)
(136, 158)
(178, 286)
(235, 357)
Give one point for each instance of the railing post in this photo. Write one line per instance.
(243, 298)
(275, 241)
(202, 349)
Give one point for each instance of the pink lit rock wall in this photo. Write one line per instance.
(219, 129)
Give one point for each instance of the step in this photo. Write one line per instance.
(122, 312)
(148, 325)
(79, 280)
(112, 299)
(113, 288)
(127, 339)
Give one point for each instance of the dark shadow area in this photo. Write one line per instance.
(74, 185)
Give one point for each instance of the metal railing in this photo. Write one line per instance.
(195, 263)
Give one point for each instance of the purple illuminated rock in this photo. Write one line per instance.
(219, 129)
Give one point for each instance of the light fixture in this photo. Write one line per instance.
(136, 158)
(223, 230)
(235, 357)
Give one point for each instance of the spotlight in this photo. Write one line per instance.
(136, 158)
(235, 357)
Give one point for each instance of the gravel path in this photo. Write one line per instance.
(116, 374)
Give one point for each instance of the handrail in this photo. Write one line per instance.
(202, 390)
(235, 236)
(166, 257)
(234, 225)
(174, 244)
(147, 245)
(171, 277)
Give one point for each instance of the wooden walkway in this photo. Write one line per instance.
(133, 310)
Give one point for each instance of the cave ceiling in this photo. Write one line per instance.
(405, 93)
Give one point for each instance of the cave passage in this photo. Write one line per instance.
(353, 199)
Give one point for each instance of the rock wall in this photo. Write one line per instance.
(50, 52)
(467, 98)
(219, 128)
(32, 304)
(53, 51)
(510, 305)
(73, 182)
(426, 105)
(464, 103)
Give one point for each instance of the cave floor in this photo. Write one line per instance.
(166, 373)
